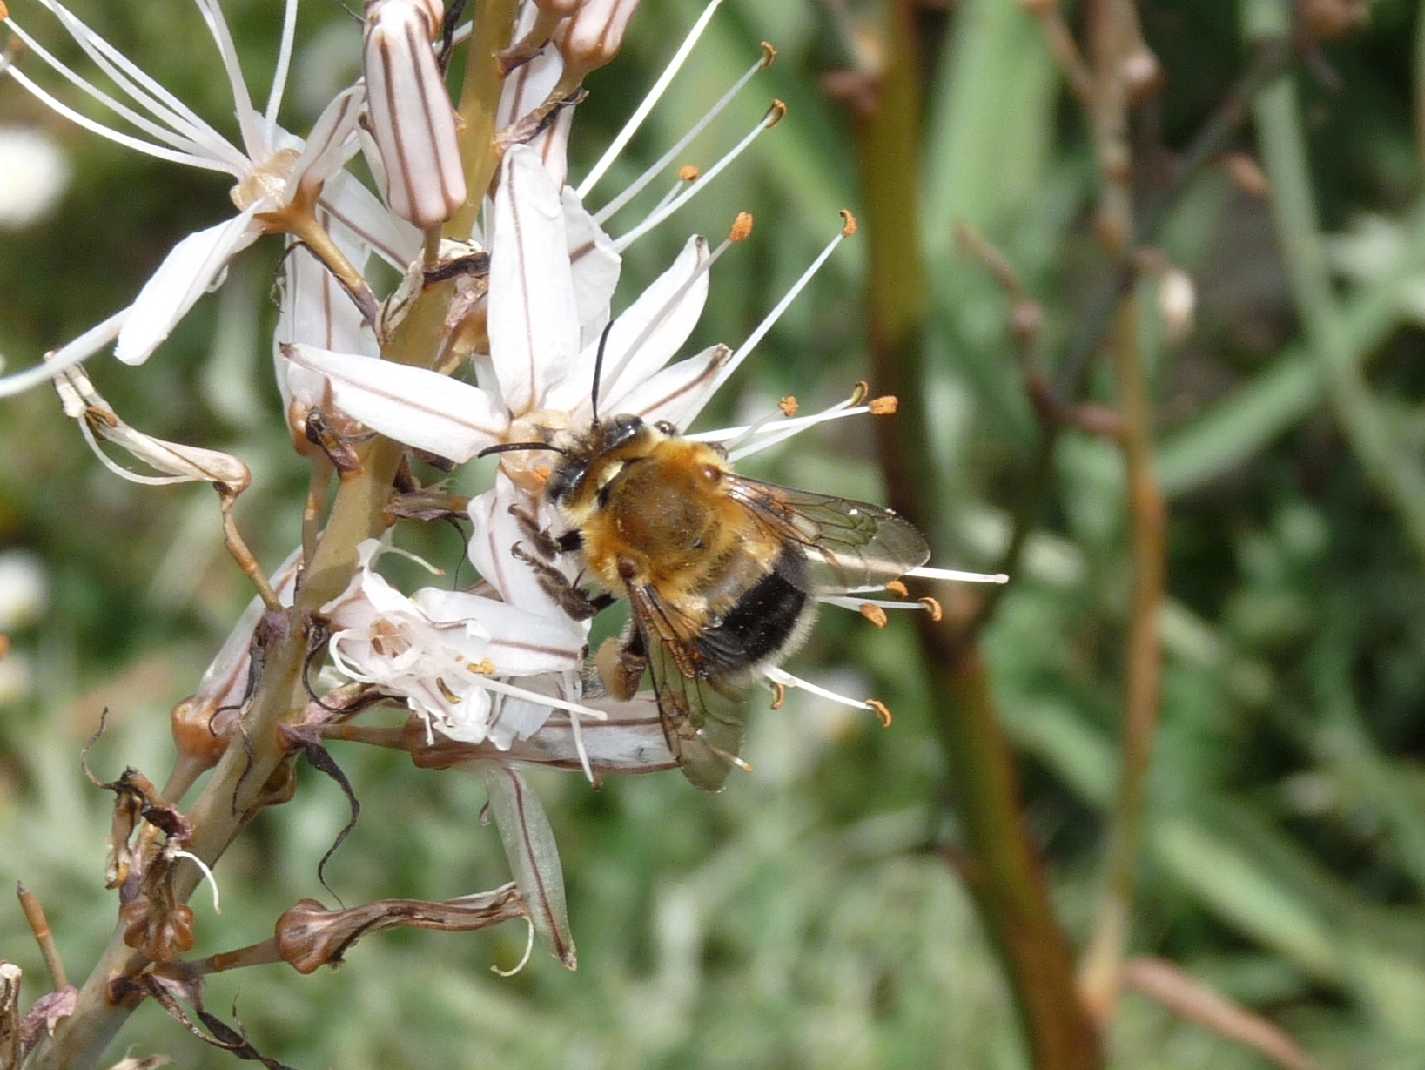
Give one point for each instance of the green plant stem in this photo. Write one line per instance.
(227, 803)
(479, 100)
(1396, 475)
(1102, 964)
(1003, 874)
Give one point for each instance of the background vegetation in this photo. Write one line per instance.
(814, 913)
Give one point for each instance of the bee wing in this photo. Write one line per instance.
(849, 544)
(703, 716)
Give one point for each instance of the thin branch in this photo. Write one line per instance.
(237, 547)
(1100, 970)
(1062, 47)
(1191, 1000)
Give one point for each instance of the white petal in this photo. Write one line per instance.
(527, 87)
(520, 642)
(534, 316)
(316, 311)
(358, 210)
(67, 356)
(595, 266)
(496, 531)
(647, 333)
(185, 274)
(677, 393)
(249, 121)
(644, 336)
(421, 408)
(331, 142)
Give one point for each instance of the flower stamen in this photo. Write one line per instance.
(649, 102)
(769, 119)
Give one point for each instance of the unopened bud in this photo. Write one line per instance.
(594, 35)
(412, 120)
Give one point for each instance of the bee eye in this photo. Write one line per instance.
(712, 473)
(666, 427)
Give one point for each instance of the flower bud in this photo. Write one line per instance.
(593, 36)
(412, 119)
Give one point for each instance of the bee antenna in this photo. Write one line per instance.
(599, 368)
(511, 447)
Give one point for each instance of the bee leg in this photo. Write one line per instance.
(575, 601)
(543, 543)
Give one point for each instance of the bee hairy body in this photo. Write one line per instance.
(721, 572)
(652, 515)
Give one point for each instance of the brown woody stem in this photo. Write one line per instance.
(1005, 880)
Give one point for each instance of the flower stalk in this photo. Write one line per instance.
(1005, 877)
(358, 512)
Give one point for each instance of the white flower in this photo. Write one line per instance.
(273, 172)
(552, 272)
(450, 654)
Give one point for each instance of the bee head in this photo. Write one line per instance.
(594, 454)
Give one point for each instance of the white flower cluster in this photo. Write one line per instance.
(492, 664)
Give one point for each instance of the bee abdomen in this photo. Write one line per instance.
(762, 623)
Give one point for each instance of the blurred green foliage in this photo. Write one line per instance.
(801, 918)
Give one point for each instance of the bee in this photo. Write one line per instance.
(721, 572)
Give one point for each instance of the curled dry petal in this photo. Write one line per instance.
(179, 463)
(310, 936)
(411, 115)
(46, 1013)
